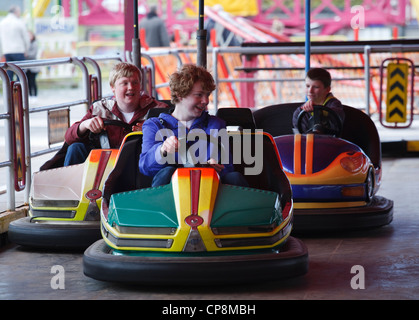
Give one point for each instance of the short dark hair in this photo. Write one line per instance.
(320, 74)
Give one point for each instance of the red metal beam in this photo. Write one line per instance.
(331, 17)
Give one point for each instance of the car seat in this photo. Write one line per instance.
(126, 174)
(276, 119)
(240, 117)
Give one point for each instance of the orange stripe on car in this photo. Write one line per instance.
(309, 153)
(297, 154)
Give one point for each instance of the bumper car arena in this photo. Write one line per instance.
(327, 203)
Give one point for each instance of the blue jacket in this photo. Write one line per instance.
(156, 130)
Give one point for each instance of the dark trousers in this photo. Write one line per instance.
(76, 153)
(33, 89)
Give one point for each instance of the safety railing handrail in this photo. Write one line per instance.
(24, 89)
(8, 138)
(364, 49)
(17, 68)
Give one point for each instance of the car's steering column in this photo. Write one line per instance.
(323, 120)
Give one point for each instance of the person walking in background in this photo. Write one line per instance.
(14, 37)
(32, 72)
(155, 30)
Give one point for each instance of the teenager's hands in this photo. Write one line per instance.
(213, 163)
(308, 106)
(137, 127)
(170, 145)
(95, 125)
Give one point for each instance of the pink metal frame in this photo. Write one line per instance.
(376, 12)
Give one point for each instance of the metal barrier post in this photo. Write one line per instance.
(18, 137)
(215, 53)
(367, 75)
(94, 87)
(7, 98)
(96, 78)
(153, 89)
(86, 81)
(25, 103)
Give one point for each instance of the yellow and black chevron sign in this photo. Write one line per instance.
(397, 79)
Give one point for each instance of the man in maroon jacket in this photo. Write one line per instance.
(129, 105)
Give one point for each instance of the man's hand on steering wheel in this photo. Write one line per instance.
(101, 134)
(322, 120)
(308, 106)
(94, 125)
(173, 144)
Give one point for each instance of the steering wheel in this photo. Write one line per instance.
(324, 120)
(188, 158)
(102, 137)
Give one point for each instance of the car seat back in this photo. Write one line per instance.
(276, 119)
(126, 175)
(359, 129)
(155, 112)
(241, 117)
(272, 177)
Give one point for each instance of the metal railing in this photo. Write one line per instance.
(18, 69)
(367, 68)
(364, 50)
